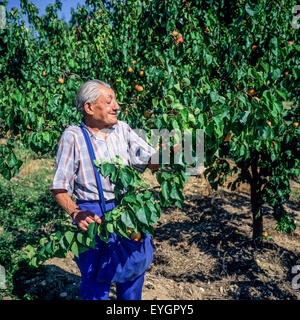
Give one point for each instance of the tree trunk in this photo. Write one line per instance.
(257, 222)
(256, 202)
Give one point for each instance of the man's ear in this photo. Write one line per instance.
(88, 108)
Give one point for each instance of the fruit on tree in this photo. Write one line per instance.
(130, 69)
(296, 124)
(290, 42)
(44, 73)
(179, 39)
(256, 98)
(139, 88)
(175, 33)
(251, 92)
(206, 29)
(142, 73)
(133, 61)
(61, 80)
(269, 123)
(254, 47)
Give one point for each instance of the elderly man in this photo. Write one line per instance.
(74, 175)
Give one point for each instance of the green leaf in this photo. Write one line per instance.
(177, 106)
(107, 169)
(110, 227)
(177, 87)
(129, 198)
(80, 238)
(69, 235)
(142, 217)
(127, 219)
(43, 241)
(250, 11)
(154, 215)
(75, 249)
(186, 81)
(48, 247)
(125, 177)
(165, 190)
(174, 193)
(214, 96)
(155, 102)
(244, 117)
(92, 229)
(121, 229)
(11, 160)
(281, 93)
(47, 137)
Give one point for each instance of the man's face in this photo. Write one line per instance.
(104, 110)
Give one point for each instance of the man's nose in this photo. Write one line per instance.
(116, 106)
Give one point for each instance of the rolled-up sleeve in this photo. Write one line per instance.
(65, 170)
(140, 152)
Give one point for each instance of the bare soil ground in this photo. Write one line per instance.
(203, 251)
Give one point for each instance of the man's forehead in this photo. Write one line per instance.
(107, 92)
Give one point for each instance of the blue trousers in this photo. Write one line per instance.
(119, 260)
(90, 289)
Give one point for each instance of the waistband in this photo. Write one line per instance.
(95, 201)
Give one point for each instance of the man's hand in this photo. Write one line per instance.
(84, 218)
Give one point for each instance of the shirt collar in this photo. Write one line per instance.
(108, 131)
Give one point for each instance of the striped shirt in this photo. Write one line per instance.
(74, 170)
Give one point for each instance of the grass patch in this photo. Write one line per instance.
(28, 212)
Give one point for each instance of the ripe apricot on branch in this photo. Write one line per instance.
(254, 47)
(290, 42)
(133, 61)
(139, 88)
(251, 92)
(141, 73)
(269, 123)
(175, 33)
(256, 98)
(296, 124)
(180, 39)
(130, 69)
(206, 29)
(61, 80)
(44, 73)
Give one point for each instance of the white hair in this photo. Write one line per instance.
(89, 92)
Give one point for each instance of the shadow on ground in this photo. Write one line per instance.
(47, 282)
(251, 270)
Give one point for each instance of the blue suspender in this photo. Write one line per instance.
(97, 175)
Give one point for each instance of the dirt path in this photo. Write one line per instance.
(202, 252)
